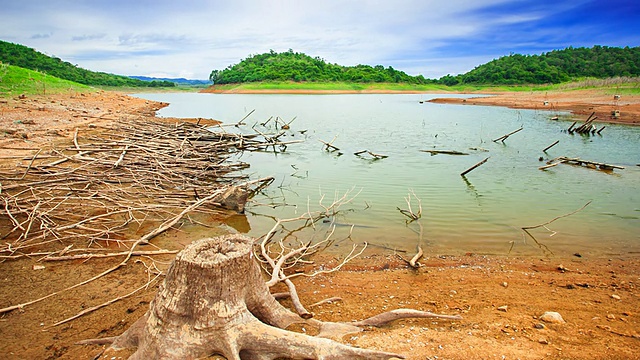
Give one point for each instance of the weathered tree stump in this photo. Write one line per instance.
(214, 300)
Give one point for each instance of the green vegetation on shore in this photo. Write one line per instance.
(299, 67)
(24, 70)
(555, 67)
(25, 57)
(292, 70)
(16, 80)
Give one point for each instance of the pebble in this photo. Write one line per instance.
(552, 317)
(543, 341)
(614, 296)
(504, 284)
(539, 326)
(503, 308)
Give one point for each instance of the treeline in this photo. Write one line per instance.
(294, 66)
(25, 57)
(554, 67)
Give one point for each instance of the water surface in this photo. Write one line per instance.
(480, 213)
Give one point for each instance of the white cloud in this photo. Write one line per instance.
(196, 36)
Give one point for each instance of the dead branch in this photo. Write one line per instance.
(414, 260)
(385, 318)
(556, 218)
(543, 247)
(330, 300)
(550, 146)
(99, 256)
(580, 162)
(94, 308)
(504, 137)
(473, 167)
(446, 152)
(372, 154)
(328, 146)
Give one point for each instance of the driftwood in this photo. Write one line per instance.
(137, 171)
(473, 167)
(328, 146)
(446, 152)
(414, 217)
(543, 247)
(550, 146)
(372, 154)
(504, 137)
(236, 318)
(580, 162)
(587, 128)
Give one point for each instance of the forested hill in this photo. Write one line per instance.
(554, 67)
(25, 57)
(293, 66)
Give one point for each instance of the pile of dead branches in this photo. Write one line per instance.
(113, 179)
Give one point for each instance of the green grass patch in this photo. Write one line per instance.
(16, 80)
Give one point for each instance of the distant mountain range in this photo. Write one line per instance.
(179, 81)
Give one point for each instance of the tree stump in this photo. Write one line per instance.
(214, 301)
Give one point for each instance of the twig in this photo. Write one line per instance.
(504, 137)
(94, 308)
(473, 167)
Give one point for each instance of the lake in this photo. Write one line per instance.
(481, 213)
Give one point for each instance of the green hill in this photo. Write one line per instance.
(554, 67)
(25, 57)
(299, 67)
(16, 80)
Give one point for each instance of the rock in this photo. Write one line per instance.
(614, 296)
(539, 326)
(503, 308)
(504, 284)
(543, 341)
(552, 317)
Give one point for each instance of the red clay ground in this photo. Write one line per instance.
(597, 297)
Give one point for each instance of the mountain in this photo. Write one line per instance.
(28, 58)
(179, 81)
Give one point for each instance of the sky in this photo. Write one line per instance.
(190, 38)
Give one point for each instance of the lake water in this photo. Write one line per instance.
(480, 213)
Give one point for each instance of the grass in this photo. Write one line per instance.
(613, 85)
(16, 81)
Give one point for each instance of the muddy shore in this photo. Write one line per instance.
(501, 299)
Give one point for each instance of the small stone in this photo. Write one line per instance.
(543, 341)
(504, 284)
(611, 317)
(539, 326)
(614, 296)
(503, 308)
(552, 317)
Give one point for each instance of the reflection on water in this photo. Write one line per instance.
(480, 213)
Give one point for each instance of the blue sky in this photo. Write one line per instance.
(189, 38)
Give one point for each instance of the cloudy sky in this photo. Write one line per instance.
(189, 38)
